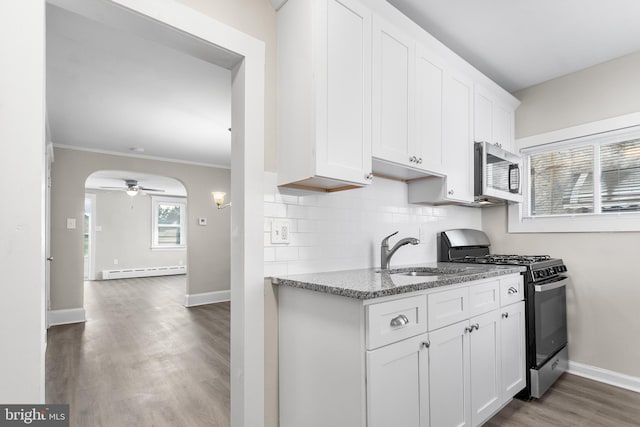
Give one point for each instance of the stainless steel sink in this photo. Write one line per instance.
(428, 271)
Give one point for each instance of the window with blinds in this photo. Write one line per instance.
(596, 177)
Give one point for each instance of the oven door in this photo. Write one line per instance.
(550, 302)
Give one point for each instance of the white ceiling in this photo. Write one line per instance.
(110, 90)
(115, 178)
(520, 43)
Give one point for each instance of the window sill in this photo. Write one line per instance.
(169, 248)
(610, 222)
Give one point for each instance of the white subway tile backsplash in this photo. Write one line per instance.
(343, 230)
(269, 254)
(275, 210)
(286, 253)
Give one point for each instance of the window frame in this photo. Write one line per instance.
(606, 131)
(156, 201)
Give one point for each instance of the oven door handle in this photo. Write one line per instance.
(551, 286)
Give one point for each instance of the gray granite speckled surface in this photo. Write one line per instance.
(371, 283)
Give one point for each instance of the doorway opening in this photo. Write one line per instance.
(135, 225)
(187, 30)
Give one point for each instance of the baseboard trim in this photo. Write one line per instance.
(65, 317)
(206, 298)
(613, 378)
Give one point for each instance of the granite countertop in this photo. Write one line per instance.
(371, 283)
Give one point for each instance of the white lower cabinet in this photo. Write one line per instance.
(348, 363)
(449, 379)
(512, 329)
(485, 370)
(398, 384)
(464, 366)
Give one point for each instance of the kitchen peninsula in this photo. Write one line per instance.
(434, 344)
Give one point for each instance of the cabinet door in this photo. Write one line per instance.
(397, 384)
(343, 131)
(393, 93)
(485, 366)
(483, 116)
(513, 350)
(503, 126)
(493, 119)
(458, 139)
(449, 380)
(428, 134)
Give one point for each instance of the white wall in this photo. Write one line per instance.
(125, 234)
(603, 298)
(22, 183)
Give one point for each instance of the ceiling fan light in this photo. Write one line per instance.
(132, 191)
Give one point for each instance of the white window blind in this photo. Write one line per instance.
(620, 176)
(596, 176)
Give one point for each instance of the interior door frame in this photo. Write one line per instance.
(247, 170)
(91, 274)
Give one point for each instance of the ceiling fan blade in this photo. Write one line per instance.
(114, 188)
(151, 189)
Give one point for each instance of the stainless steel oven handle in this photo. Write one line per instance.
(552, 285)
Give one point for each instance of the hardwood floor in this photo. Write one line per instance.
(574, 402)
(142, 358)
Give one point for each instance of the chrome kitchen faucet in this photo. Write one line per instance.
(386, 253)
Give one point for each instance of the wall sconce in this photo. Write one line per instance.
(218, 197)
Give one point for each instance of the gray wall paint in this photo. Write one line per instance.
(125, 234)
(208, 247)
(603, 298)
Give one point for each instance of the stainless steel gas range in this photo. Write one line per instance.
(545, 302)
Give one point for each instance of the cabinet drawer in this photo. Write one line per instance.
(484, 297)
(396, 320)
(448, 307)
(511, 290)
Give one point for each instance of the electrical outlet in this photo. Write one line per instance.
(280, 232)
(202, 221)
(71, 223)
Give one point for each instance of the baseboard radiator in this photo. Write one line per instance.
(127, 273)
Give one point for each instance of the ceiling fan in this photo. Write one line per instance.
(132, 187)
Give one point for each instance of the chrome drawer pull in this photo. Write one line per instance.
(426, 344)
(512, 290)
(400, 320)
(505, 315)
(475, 326)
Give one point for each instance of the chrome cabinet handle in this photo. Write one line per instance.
(505, 315)
(475, 326)
(413, 159)
(50, 258)
(426, 344)
(369, 176)
(468, 329)
(400, 320)
(419, 160)
(512, 290)
(450, 192)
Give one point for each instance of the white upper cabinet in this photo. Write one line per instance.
(458, 137)
(430, 74)
(324, 94)
(494, 118)
(393, 94)
(407, 100)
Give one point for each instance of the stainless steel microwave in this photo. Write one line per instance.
(497, 174)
